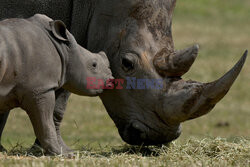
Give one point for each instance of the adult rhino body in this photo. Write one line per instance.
(137, 37)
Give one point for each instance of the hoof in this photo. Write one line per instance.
(64, 154)
(69, 155)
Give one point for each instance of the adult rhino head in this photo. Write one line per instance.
(137, 37)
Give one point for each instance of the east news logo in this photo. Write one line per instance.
(131, 83)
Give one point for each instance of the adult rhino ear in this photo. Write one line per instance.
(59, 30)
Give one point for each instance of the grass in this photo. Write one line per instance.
(221, 138)
(206, 152)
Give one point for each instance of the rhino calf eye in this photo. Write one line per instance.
(94, 65)
(127, 64)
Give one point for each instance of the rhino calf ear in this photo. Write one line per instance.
(59, 30)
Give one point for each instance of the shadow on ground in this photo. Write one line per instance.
(144, 151)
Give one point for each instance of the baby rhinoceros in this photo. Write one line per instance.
(38, 56)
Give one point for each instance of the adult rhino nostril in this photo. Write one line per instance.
(134, 133)
(143, 136)
(140, 130)
(138, 126)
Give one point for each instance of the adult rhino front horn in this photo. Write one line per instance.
(186, 100)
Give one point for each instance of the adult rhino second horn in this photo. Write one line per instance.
(175, 64)
(213, 92)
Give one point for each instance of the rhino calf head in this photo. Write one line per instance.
(81, 64)
(78, 63)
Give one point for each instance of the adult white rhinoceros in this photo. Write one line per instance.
(137, 37)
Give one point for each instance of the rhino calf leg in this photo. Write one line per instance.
(62, 96)
(40, 110)
(3, 119)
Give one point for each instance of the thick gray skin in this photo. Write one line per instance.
(137, 37)
(39, 60)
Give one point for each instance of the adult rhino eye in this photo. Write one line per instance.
(127, 64)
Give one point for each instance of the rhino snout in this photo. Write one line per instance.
(136, 133)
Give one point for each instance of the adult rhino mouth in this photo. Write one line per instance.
(139, 133)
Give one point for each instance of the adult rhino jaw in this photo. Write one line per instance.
(177, 63)
(190, 99)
